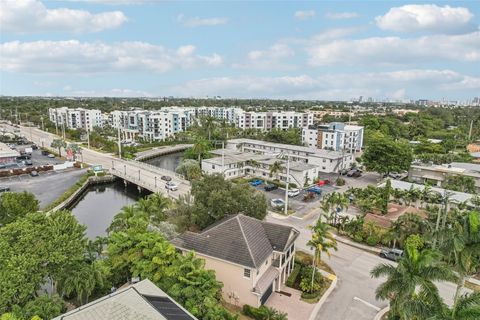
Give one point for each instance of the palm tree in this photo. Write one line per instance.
(82, 281)
(154, 207)
(59, 144)
(200, 147)
(126, 218)
(276, 168)
(467, 307)
(461, 247)
(410, 285)
(322, 241)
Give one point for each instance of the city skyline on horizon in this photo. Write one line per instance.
(299, 51)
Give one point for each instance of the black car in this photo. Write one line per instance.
(4, 189)
(270, 187)
(45, 153)
(166, 178)
(34, 147)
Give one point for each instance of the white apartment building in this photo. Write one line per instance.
(323, 160)
(76, 118)
(335, 136)
(273, 120)
(152, 125)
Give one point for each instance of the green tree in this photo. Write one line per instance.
(275, 169)
(410, 285)
(215, 197)
(322, 240)
(35, 248)
(467, 307)
(200, 148)
(59, 144)
(190, 169)
(460, 183)
(45, 307)
(15, 205)
(385, 155)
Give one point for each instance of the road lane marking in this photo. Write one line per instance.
(367, 303)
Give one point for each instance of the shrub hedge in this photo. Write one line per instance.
(293, 276)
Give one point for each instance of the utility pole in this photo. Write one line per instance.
(88, 138)
(223, 158)
(288, 182)
(470, 131)
(119, 144)
(43, 127)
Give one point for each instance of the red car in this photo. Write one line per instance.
(323, 182)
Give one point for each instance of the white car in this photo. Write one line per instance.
(277, 203)
(171, 186)
(293, 192)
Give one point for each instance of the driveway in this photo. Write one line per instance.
(290, 303)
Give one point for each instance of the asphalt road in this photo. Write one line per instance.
(354, 296)
(140, 173)
(47, 187)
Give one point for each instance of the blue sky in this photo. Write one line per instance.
(333, 50)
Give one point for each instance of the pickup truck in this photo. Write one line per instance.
(391, 254)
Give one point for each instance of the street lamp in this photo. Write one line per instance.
(282, 155)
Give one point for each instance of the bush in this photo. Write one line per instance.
(313, 295)
(358, 238)
(303, 258)
(372, 240)
(263, 313)
(293, 276)
(340, 182)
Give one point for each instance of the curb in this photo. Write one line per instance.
(324, 298)
(380, 313)
(373, 250)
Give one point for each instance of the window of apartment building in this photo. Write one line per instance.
(213, 166)
(246, 273)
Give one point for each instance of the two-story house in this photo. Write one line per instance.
(251, 257)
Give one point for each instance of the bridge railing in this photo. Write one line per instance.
(153, 168)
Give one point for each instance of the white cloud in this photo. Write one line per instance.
(341, 15)
(427, 17)
(118, 2)
(199, 22)
(394, 50)
(271, 58)
(73, 56)
(396, 84)
(30, 16)
(304, 15)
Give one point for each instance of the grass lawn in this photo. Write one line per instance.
(236, 310)
(306, 257)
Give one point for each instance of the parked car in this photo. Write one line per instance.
(270, 187)
(315, 190)
(34, 147)
(293, 192)
(4, 189)
(355, 173)
(34, 173)
(323, 182)
(45, 153)
(391, 254)
(277, 203)
(394, 175)
(51, 155)
(255, 183)
(166, 178)
(28, 162)
(344, 171)
(171, 186)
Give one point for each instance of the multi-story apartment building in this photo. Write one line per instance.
(76, 118)
(335, 136)
(272, 120)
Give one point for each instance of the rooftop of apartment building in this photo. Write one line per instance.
(239, 239)
(311, 151)
(455, 196)
(452, 168)
(331, 126)
(229, 156)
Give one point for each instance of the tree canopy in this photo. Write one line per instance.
(14, 205)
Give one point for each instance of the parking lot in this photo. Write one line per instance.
(39, 160)
(300, 207)
(47, 187)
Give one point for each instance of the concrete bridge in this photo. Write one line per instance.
(141, 174)
(161, 151)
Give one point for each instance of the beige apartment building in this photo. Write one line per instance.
(251, 257)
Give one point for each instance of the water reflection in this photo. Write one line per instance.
(169, 161)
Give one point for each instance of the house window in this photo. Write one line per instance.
(246, 273)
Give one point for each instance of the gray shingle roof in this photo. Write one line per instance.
(239, 239)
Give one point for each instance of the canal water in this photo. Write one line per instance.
(169, 161)
(100, 203)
